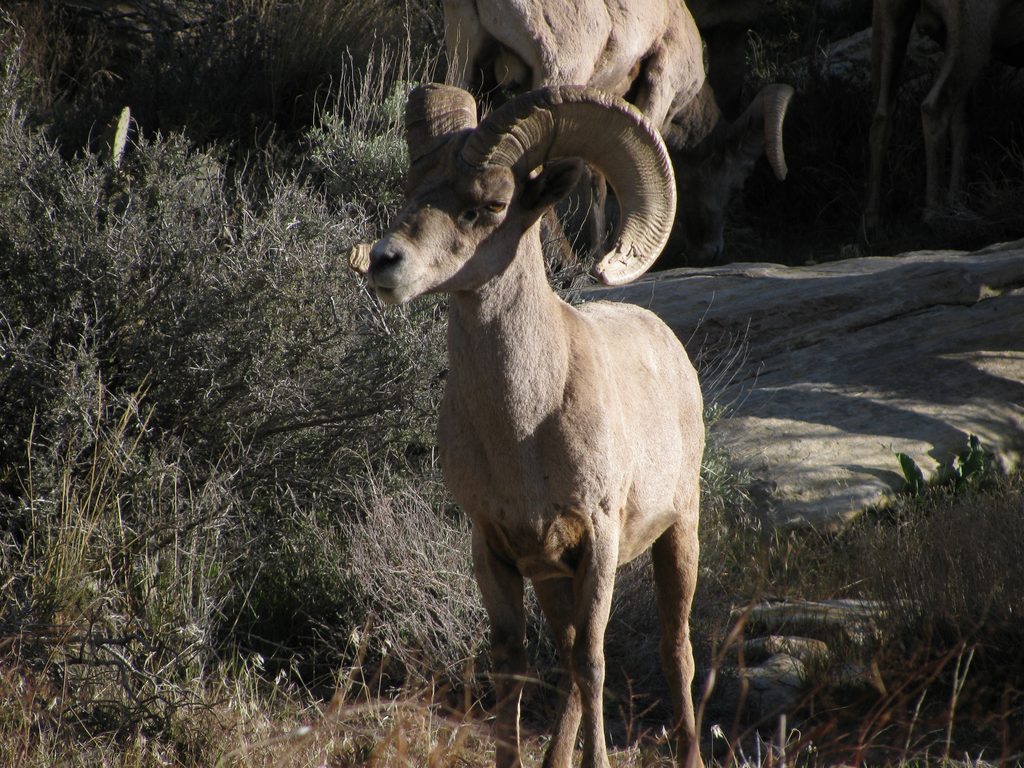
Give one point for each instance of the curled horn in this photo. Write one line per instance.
(610, 135)
(776, 102)
(432, 113)
(769, 109)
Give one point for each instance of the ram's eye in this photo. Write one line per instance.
(471, 216)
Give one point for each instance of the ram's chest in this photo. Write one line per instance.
(553, 462)
(536, 491)
(552, 547)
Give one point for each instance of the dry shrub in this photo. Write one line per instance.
(118, 570)
(948, 677)
(409, 561)
(356, 727)
(947, 557)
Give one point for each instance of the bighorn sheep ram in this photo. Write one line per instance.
(572, 436)
(972, 32)
(650, 53)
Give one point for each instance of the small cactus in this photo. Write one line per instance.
(120, 138)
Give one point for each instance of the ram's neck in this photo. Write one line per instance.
(507, 346)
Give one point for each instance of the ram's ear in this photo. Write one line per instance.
(555, 180)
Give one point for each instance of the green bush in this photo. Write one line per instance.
(362, 148)
(234, 313)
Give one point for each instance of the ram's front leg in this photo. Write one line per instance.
(594, 583)
(556, 600)
(501, 589)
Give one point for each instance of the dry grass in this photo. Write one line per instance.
(943, 679)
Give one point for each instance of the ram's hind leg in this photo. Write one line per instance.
(943, 113)
(675, 574)
(892, 21)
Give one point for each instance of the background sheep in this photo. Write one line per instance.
(651, 54)
(972, 33)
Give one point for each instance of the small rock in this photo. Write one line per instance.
(778, 670)
(760, 692)
(805, 649)
(845, 621)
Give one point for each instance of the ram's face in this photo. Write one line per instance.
(705, 189)
(716, 171)
(451, 234)
(476, 190)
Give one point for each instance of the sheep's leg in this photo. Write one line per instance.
(658, 82)
(584, 215)
(592, 592)
(936, 118)
(944, 104)
(555, 598)
(675, 555)
(892, 21)
(558, 252)
(958, 133)
(501, 589)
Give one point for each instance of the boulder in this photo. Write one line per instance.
(826, 371)
(806, 650)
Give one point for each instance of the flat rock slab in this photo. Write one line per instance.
(827, 371)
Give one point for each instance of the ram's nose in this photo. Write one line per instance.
(711, 252)
(378, 257)
(385, 255)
